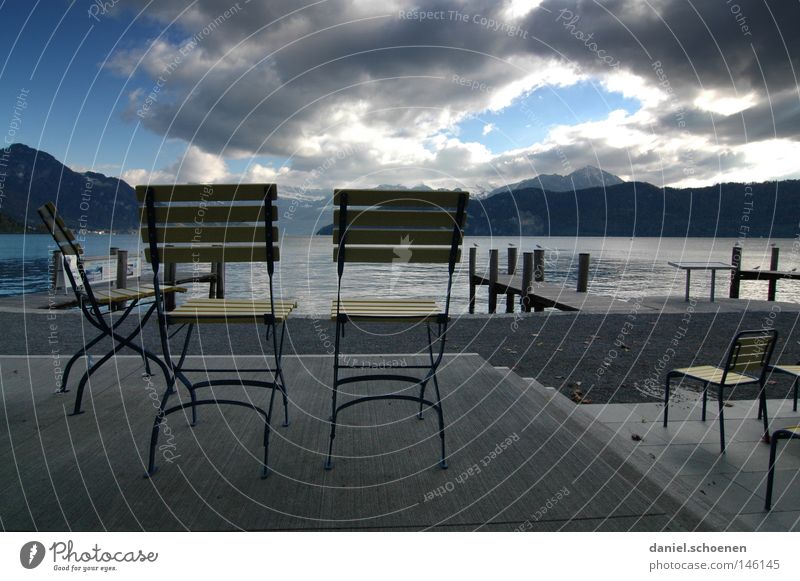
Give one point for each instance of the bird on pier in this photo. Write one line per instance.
(538, 246)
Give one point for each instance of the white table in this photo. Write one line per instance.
(712, 266)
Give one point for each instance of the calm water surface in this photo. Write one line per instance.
(621, 267)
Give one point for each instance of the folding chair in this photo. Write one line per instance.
(395, 227)
(215, 223)
(91, 302)
(794, 371)
(749, 352)
(788, 433)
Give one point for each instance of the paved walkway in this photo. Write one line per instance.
(734, 483)
(519, 459)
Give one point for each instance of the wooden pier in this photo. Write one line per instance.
(533, 292)
(771, 275)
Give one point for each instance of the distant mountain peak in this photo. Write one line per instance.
(580, 179)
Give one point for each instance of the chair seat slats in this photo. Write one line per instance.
(714, 375)
(229, 311)
(790, 369)
(128, 294)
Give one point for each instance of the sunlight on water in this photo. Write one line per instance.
(620, 267)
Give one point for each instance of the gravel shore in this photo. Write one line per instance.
(616, 358)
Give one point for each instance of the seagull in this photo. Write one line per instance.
(475, 244)
(757, 267)
(538, 246)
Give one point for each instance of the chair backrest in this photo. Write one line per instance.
(70, 250)
(398, 226)
(209, 223)
(751, 350)
(65, 239)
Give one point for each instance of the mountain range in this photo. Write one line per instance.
(586, 202)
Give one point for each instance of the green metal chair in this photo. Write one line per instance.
(395, 227)
(746, 363)
(92, 303)
(215, 223)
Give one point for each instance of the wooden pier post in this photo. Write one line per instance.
(122, 277)
(512, 269)
(494, 258)
(473, 261)
(583, 272)
(527, 281)
(736, 261)
(773, 282)
(538, 265)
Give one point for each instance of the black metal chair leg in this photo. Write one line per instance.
(279, 371)
(89, 372)
(443, 459)
(81, 352)
(721, 420)
(762, 399)
(267, 429)
(771, 472)
(329, 459)
(666, 402)
(705, 399)
(160, 417)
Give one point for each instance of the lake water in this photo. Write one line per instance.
(621, 267)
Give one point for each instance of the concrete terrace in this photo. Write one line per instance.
(557, 471)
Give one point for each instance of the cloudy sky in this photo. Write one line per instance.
(449, 93)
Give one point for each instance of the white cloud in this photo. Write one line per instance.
(488, 128)
(715, 102)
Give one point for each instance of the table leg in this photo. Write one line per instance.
(688, 280)
(713, 283)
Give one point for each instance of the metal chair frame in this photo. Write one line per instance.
(731, 365)
(796, 383)
(92, 310)
(178, 371)
(441, 321)
(782, 434)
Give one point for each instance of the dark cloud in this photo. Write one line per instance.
(275, 79)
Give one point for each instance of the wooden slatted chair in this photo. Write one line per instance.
(791, 370)
(787, 433)
(215, 223)
(95, 305)
(395, 227)
(746, 364)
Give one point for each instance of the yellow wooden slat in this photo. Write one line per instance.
(714, 374)
(63, 236)
(189, 254)
(790, 369)
(397, 219)
(396, 255)
(208, 192)
(442, 237)
(211, 234)
(197, 215)
(410, 198)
